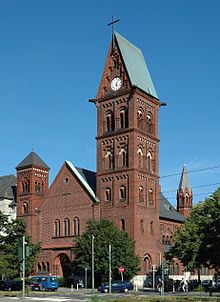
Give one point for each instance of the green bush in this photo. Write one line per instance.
(27, 290)
(61, 282)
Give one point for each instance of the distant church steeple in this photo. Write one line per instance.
(184, 194)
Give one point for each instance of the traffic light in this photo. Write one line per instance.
(20, 251)
(28, 251)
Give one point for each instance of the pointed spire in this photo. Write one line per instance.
(184, 181)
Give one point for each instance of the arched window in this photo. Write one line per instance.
(187, 199)
(176, 269)
(38, 267)
(122, 224)
(140, 118)
(141, 193)
(140, 158)
(76, 226)
(25, 208)
(142, 226)
(150, 196)
(108, 194)
(57, 228)
(25, 185)
(167, 240)
(182, 201)
(171, 240)
(147, 263)
(163, 239)
(123, 158)
(43, 267)
(42, 187)
(109, 160)
(151, 228)
(122, 193)
(66, 227)
(110, 121)
(171, 269)
(123, 118)
(149, 158)
(48, 266)
(149, 123)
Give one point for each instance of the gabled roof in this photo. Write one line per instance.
(135, 65)
(167, 211)
(86, 177)
(32, 159)
(8, 185)
(184, 181)
(89, 177)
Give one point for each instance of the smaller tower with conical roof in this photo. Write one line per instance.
(184, 194)
(32, 184)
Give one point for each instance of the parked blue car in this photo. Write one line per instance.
(117, 286)
(48, 283)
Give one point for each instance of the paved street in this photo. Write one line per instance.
(65, 295)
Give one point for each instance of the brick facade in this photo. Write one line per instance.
(127, 180)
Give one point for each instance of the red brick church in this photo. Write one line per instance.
(125, 187)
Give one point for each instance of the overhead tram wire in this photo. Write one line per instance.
(192, 171)
(196, 187)
(141, 181)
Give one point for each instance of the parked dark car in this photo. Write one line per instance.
(33, 285)
(192, 284)
(117, 286)
(10, 285)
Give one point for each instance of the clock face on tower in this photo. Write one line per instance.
(116, 83)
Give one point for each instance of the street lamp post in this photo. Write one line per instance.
(93, 278)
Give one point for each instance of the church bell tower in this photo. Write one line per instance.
(127, 148)
(32, 184)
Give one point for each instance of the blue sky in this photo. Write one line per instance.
(52, 54)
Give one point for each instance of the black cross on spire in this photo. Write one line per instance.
(113, 30)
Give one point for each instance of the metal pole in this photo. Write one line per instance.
(153, 268)
(93, 277)
(86, 278)
(23, 267)
(163, 277)
(110, 268)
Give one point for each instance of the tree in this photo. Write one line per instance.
(11, 235)
(105, 233)
(197, 242)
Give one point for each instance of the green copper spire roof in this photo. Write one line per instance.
(136, 66)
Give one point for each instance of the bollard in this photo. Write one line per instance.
(71, 288)
(77, 286)
(136, 287)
